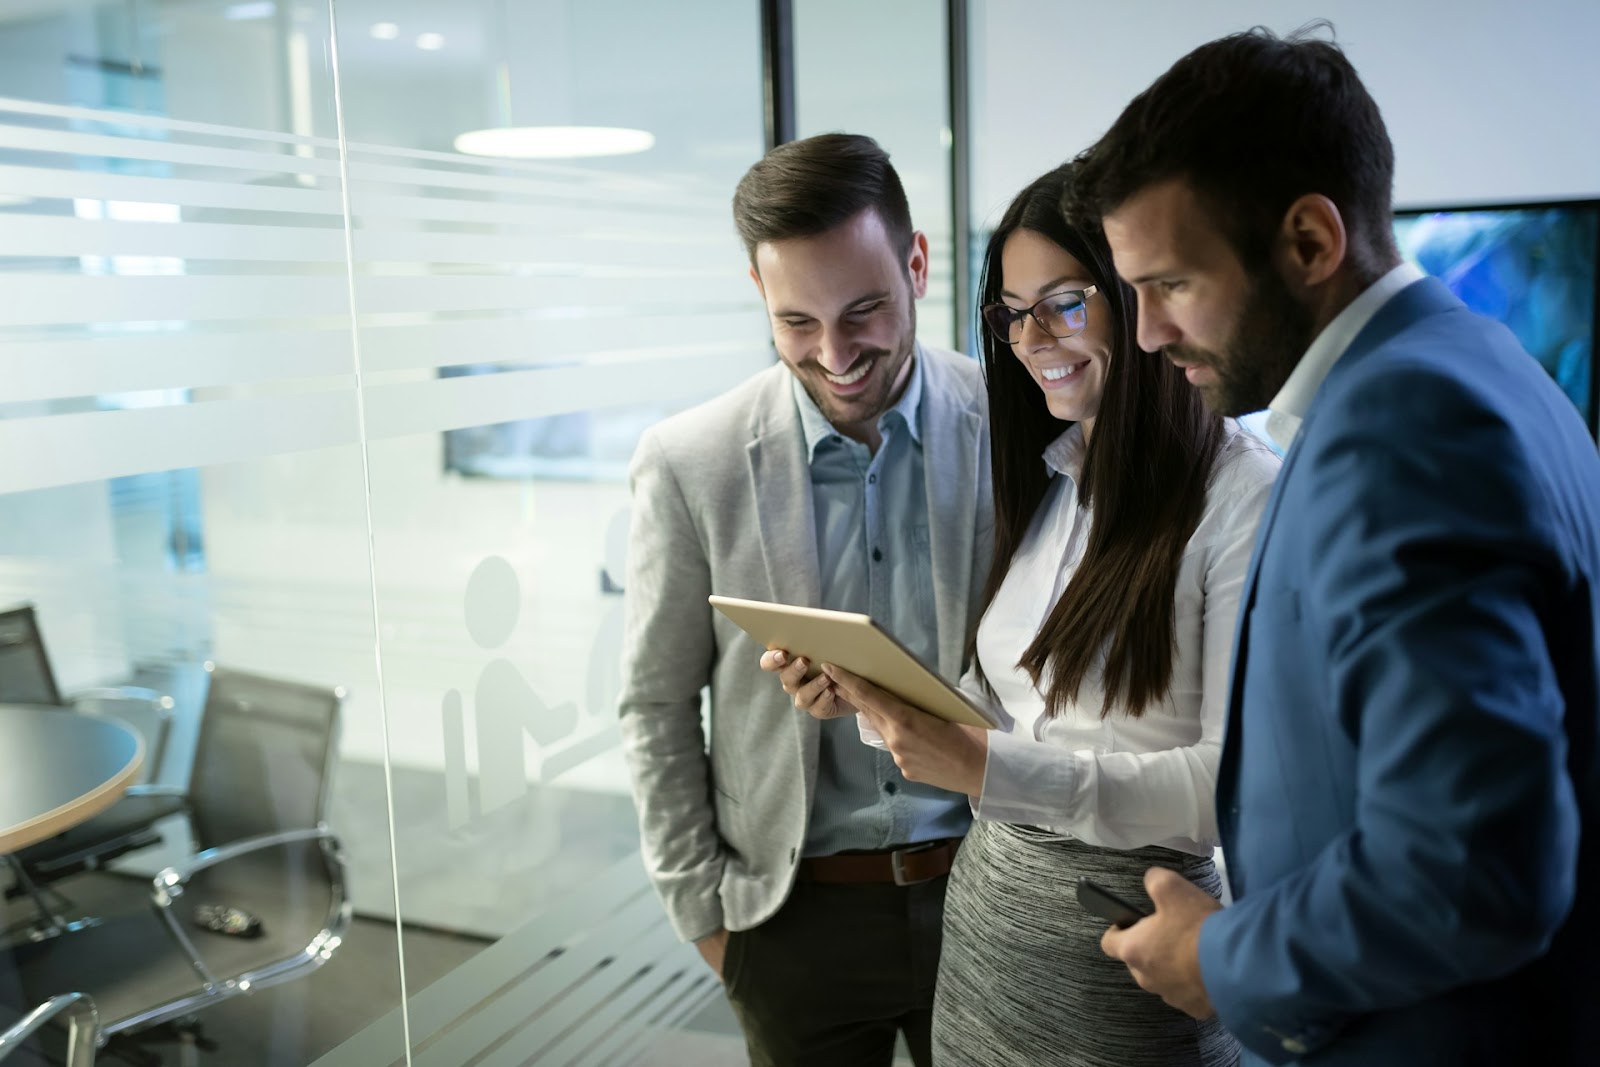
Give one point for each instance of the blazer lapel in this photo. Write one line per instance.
(780, 483)
(952, 443)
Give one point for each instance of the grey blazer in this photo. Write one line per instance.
(722, 504)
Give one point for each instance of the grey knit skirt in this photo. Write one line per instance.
(1022, 980)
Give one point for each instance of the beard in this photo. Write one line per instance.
(877, 398)
(1272, 333)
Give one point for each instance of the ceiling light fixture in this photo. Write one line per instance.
(554, 142)
(249, 12)
(430, 42)
(384, 31)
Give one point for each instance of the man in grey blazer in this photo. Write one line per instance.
(854, 475)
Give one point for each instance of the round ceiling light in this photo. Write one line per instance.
(554, 142)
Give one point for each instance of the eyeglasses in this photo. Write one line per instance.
(1059, 315)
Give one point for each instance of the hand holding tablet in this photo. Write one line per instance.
(856, 643)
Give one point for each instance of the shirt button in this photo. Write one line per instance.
(872, 479)
(792, 852)
(877, 555)
(890, 788)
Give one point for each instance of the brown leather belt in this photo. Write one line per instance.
(901, 866)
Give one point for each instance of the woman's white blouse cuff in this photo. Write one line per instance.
(1021, 777)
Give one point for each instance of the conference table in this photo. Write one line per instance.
(60, 768)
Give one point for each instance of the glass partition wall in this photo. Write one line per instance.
(325, 338)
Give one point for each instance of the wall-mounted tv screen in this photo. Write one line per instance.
(1533, 267)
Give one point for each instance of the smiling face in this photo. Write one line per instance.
(843, 312)
(1236, 334)
(1071, 371)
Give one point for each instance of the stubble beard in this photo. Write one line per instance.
(869, 406)
(1273, 332)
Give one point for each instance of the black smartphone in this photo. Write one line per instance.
(1106, 904)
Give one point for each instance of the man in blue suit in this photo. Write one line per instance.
(1409, 793)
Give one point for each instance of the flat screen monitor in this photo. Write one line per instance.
(1534, 267)
(1531, 266)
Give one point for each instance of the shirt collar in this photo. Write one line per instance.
(818, 429)
(1289, 407)
(1065, 454)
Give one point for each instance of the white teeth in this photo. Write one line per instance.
(1055, 374)
(854, 376)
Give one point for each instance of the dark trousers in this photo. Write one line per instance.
(837, 973)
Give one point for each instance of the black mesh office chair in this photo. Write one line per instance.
(26, 677)
(258, 800)
(25, 674)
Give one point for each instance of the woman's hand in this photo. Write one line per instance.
(817, 698)
(925, 748)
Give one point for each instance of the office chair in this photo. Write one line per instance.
(258, 804)
(82, 1022)
(26, 677)
(25, 674)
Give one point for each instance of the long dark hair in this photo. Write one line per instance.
(1145, 474)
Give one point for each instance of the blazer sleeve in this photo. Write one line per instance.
(1432, 557)
(667, 658)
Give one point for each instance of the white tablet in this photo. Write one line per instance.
(857, 644)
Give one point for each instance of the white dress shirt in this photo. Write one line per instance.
(1121, 781)
(1289, 407)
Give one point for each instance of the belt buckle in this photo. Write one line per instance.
(898, 865)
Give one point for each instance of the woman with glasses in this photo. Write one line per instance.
(1124, 519)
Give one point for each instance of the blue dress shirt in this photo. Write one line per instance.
(872, 553)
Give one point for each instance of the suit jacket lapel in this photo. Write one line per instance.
(780, 482)
(952, 442)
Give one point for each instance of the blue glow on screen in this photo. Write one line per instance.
(1531, 268)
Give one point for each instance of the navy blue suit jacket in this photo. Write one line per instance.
(1409, 791)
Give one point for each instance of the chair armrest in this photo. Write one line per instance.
(83, 1027)
(120, 692)
(156, 791)
(147, 711)
(169, 885)
(170, 882)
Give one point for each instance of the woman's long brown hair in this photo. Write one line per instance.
(1145, 474)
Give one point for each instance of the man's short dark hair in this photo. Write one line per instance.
(1252, 122)
(806, 188)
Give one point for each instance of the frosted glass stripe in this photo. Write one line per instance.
(423, 246)
(47, 183)
(613, 190)
(145, 121)
(659, 214)
(454, 403)
(460, 992)
(104, 146)
(45, 299)
(685, 993)
(89, 446)
(520, 1003)
(629, 287)
(51, 235)
(47, 235)
(535, 340)
(43, 370)
(610, 1011)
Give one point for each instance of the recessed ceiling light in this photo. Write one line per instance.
(384, 31)
(554, 142)
(256, 9)
(430, 42)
